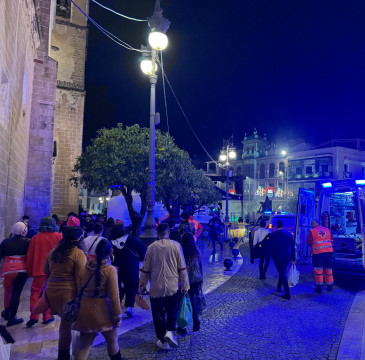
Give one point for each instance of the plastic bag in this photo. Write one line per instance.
(4, 350)
(293, 275)
(185, 316)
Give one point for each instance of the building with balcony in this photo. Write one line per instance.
(262, 168)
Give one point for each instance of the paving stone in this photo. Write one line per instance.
(245, 319)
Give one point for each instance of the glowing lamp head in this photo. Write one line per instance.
(158, 40)
(283, 153)
(146, 66)
(223, 157)
(232, 154)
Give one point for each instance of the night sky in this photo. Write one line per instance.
(289, 68)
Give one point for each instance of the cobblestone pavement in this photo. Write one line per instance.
(245, 319)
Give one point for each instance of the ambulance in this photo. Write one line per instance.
(341, 208)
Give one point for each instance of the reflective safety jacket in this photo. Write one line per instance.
(320, 240)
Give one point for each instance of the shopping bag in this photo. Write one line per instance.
(293, 275)
(42, 304)
(185, 316)
(4, 350)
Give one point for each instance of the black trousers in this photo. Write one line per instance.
(129, 290)
(164, 314)
(17, 288)
(264, 261)
(193, 294)
(215, 237)
(283, 280)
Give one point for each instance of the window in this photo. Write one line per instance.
(325, 168)
(282, 166)
(309, 170)
(262, 171)
(298, 170)
(272, 170)
(63, 8)
(239, 171)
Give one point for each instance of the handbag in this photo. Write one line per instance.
(195, 275)
(141, 302)
(42, 305)
(185, 316)
(71, 309)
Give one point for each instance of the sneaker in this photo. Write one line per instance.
(163, 346)
(30, 323)
(129, 312)
(318, 289)
(5, 314)
(286, 296)
(48, 321)
(15, 321)
(170, 339)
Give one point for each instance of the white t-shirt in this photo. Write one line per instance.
(89, 241)
(260, 235)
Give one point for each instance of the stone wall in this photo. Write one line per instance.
(69, 38)
(19, 39)
(39, 168)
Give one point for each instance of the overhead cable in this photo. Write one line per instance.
(119, 14)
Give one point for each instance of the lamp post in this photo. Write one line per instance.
(158, 41)
(229, 152)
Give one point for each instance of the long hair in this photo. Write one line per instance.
(190, 250)
(68, 242)
(102, 251)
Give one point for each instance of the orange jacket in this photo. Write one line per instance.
(198, 228)
(320, 240)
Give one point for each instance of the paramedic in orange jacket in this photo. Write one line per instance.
(198, 227)
(320, 240)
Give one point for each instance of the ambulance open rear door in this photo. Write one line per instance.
(305, 214)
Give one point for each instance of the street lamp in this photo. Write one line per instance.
(227, 153)
(158, 41)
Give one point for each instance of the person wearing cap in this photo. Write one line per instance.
(39, 247)
(14, 271)
(164, 266)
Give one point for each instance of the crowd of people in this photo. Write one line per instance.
(100, 261)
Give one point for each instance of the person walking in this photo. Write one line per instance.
(101, 299)
(92, 241)
(195, 272)
(64, 268)
(320, 241)
(261, 245)
(215, 228)
(186, 226)
(164, 266)
(40, 245)
(282, 252)
(14, 271)
(128, 251)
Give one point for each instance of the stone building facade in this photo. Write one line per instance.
(37, 150)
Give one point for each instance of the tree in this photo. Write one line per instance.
(119, 156)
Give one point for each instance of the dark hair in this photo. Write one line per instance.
(185, 215)
(110, 222)
(279, 224)
(70, 234)
(72, 214)
(90, 226)
(25, 217)
(171, 223)
(98, 228)
(190, 250)
(55, 217)
(102, 251)
(161, 228)
(262, 223)
(118, 231)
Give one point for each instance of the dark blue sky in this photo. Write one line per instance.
(289, 68)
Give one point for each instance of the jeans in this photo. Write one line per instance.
(164, 314)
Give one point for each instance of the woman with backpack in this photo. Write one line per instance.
(101, 299)
(195, 272)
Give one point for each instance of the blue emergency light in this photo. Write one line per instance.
(327, 185)
(360, 182)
